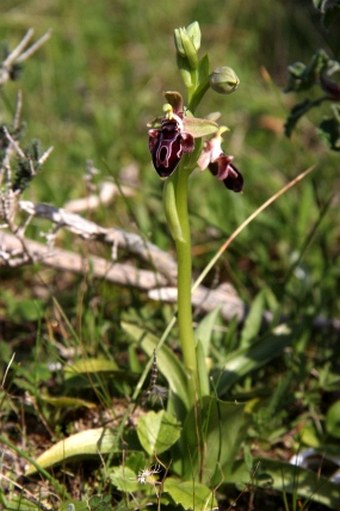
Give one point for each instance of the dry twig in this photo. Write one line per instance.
(122, 274)
(133, 243)
(20, 54)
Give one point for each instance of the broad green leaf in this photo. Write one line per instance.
(158, 431)
(25, 309)
(310, 436)
(137, 461)
(190, 494)
(84, 444)
(30, 376)
(66, 402)
(304, 483)
(100, 502)
(205, 330)
(333, 420)
(90, 365)
(134, 359)
(305, 206)
(202, 370)
(222, 428)
(245, 360)
(203, 335)
(241, 473)
(124, 479)
(253, 320)
(168, 364)
(18, 503)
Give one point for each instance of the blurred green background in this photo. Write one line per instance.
(92, 88)
(89, 92)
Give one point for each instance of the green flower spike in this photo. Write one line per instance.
(188, 41)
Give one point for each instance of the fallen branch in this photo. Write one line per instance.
(12, 254)
(117, 238)
(206, 300)
(122, 274)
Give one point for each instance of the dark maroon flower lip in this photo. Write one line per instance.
(225, 171)
(234, 181)
(167, 145)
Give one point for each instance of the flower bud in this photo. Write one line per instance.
(194, 33)
(186, 42)
(224, 80)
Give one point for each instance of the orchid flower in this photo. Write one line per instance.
(219, 164)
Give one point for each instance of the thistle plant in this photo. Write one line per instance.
(318, 74)
(180, 142)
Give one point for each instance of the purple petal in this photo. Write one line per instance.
(234, 181)
(225, 171)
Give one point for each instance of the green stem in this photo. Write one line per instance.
(176, 208)
(185, 276)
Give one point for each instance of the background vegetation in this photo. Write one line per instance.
(90, 92)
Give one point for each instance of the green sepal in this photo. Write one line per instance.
(199, 128)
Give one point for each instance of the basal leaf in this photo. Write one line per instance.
(190, 494)
(90, 365)
(289, 478)
(221, 426)
(333, 419)
(202, 370)
(243, 361)
(253, 320)
(205, 328)
(158, 431)
(84, 444)
(124, 479)
(168, 364)
(66, 402)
